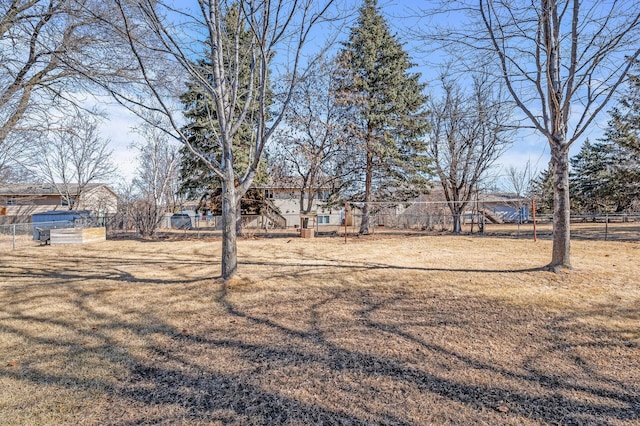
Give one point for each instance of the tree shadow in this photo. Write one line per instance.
(328, 357)
(556, 407)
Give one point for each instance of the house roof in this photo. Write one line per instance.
(287, 183)
(495, 197)
(43, 188)
(436, 194)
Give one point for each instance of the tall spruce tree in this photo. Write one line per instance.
(624, 132)
(387, 104)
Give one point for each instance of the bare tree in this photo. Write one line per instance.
(72, 157)
(124, 218)
(11, 169)
(518, 182)
(311, 149)
(163, 37)
(156, 180)
(40, 40)
(562, 61)
(468, 133)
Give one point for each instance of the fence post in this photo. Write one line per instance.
(533, 210)
(14, 236)
(345, 222)
(606, 226)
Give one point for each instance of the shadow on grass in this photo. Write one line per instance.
(325, 358)
(555, 408)
(371, 266)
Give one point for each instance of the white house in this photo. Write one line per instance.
(286, 198)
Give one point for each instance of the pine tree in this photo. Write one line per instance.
(387, 104)
(606, 175)
(624, 127)
(541, 189)
(591, 178)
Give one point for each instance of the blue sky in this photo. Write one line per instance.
(403, 18)
(528, 146)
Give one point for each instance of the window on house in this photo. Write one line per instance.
(323, 194)
(268, 194)
(323, 220)
(66, 202)
(12, 201)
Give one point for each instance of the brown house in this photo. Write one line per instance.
(24, 200)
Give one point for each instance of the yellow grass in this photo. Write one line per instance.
(381, 330)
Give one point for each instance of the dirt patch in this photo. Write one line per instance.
(381, 330)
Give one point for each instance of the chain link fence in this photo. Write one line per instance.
(16, 235)
(19, 235)
(595, 226)
(32, 234)
(198, 226)
(617, 227)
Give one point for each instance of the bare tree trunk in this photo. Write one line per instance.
(457, 227)
(238, 215)
(560, 258)
(304, 223)
(229, 216)
(368, 180)
(308, 185)
(229, 236)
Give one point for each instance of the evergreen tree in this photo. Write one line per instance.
(624, 127)
(604, 177)
(591, 178)
(387, 104)
(541, 189)
(624, 133)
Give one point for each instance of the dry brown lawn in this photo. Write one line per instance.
(381, 330)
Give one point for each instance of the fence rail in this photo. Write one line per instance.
(17, 235)
(623, 227)
(595, 226)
